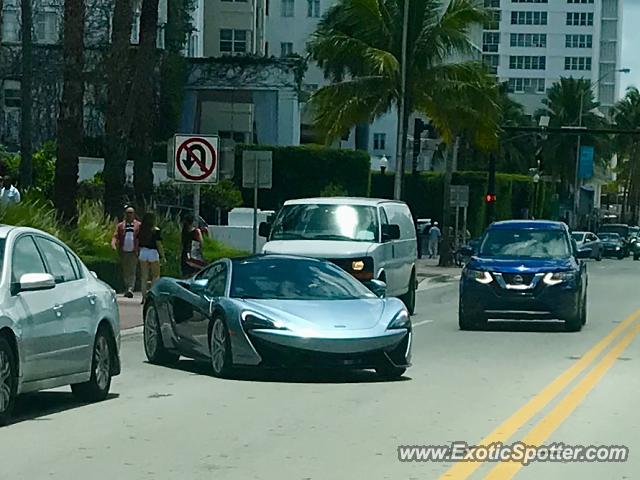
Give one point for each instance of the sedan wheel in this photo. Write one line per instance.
(8, 381)
(220, 348)
(153, 345)
(97, 388)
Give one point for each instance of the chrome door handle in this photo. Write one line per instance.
(58, 310)
(92, 298)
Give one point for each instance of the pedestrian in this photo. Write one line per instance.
(191, 258)
(151, 252)
(434, 239)
(9, 194)
(125, 241)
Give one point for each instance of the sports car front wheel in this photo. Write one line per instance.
(220, 348)
(153, 346)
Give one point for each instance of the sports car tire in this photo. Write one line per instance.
(390, 372)
(8, 381)
(97, 388)
(153, 347)
(409, 298)
(220, 348)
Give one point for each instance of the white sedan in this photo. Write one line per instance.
(59, 324)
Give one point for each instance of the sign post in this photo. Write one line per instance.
(257, 167)
(460, 199)
(194, 159)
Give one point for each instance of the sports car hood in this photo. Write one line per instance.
(324, 315)
(522, 265)
(318, 248)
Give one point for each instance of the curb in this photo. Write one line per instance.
(131, 331)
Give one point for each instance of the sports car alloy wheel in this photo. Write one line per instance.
(220, 348)
(153, 346)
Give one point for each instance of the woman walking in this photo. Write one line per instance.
(151, 252)
(191, 259)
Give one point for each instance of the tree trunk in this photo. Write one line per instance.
(116, 132)
(70, 117)
(1, 18)
(446, 260)
(26, 146)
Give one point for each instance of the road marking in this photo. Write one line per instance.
(504, 431)
(545, 427)
(423, 322)
(429, 285)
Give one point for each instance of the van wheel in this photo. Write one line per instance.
(409, 298)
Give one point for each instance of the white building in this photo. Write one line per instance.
(532, 43)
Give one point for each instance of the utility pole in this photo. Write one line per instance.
(576, 186)
(26, 141)
(400, 145)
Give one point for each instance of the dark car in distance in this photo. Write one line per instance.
(612, 245)
(524, 269)
(622, 229)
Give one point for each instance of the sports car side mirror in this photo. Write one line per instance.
(378, 287)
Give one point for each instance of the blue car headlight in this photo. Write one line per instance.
(255, 321)
(559, 277)
(479, 276)
(401, 320)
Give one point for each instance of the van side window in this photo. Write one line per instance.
(384, 220)
(400, 215)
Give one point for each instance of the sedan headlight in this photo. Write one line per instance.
(558, 277)
(401, 320)
(479, 276)
(255, 321)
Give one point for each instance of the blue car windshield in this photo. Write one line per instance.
(527, 244)
(294, 279)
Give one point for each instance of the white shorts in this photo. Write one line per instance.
(149, 255)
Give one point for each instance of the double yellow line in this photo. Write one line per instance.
(545, 427)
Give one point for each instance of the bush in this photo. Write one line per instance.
(306, 171)
(44, 167)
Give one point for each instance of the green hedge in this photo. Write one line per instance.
(107, 269)
(308, 171)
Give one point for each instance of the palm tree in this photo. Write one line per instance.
(626, 115)
(358, 44)
(516, 153)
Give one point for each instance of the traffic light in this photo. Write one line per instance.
(490, 197)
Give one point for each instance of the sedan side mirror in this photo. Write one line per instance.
(31, 282)
(264, 229)
(378, 287)
(390, 232)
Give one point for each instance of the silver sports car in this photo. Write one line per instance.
(276, 310)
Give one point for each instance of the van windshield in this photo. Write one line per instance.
(326, 222)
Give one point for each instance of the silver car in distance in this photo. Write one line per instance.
(59, 324)
(277, 310)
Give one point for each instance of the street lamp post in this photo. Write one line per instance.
(576, 185)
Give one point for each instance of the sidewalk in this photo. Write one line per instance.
(429, 272)
(130, 311)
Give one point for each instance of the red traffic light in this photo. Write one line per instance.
(490, 197)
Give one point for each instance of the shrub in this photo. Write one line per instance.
(44, 166)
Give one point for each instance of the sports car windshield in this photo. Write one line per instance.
(535, 244)
(326, 222)
(294, 279)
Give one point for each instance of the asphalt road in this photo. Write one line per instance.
(519, 381)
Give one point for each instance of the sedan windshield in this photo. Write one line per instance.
(539, 244)
(621, 230)
(326, 222)
(294, 279)
(610, 237)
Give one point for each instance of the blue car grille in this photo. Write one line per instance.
(524, 278)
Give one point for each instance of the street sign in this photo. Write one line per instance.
(195, 159)
(459, 196)
(585, 169)
(264, 168)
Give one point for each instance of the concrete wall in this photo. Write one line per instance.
(88, 168)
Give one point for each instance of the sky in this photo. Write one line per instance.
(630, 44)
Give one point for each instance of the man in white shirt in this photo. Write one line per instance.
(8, 194)
(125, 241)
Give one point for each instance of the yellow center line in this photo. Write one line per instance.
(509, 427)
(545, 427)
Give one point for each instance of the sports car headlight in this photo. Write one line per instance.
(479, 276)
(558, 277)
(401, 320)
(255, 321)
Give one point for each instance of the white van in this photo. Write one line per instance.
(370, 238)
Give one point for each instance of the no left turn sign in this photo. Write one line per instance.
(196, 159)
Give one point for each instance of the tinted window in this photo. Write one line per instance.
(508, 243)
(58, 260)
(217, 280)
(26, 258)
(294, 279)
(578, 237)
(621, 230)
(326, 222)
(610, 237)
(401, 216)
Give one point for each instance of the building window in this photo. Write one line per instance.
(523, 62)
(579, 1)
(537, 40)
(577, 63)
(528, 18)
(491, 3)
(46, 27)
(579, 41)
(233, 41)
(313, 8)
(10, 26)
(238, 137)
(12, 96)
(490, 41)
(580, 19)
(526, 85)
(493, 22)
(287, 8)
(491, 62)
(529, 1)
(286, 49)
(192, 45)
(379, 141)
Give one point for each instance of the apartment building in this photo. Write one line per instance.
(532, 43)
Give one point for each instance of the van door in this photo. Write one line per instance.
(405, 249)
(385, 256)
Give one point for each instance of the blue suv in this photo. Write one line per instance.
(524, 269)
